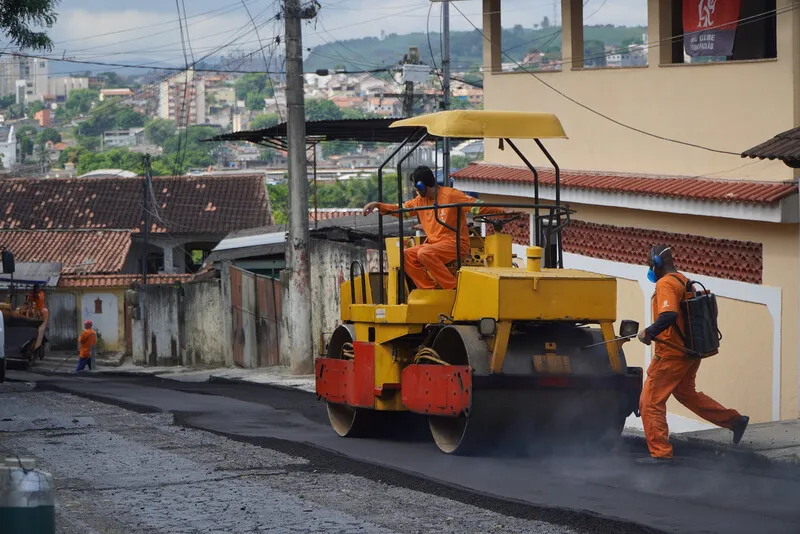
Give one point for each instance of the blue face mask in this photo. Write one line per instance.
(651, 275)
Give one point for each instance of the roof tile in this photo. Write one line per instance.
(216, 204)
(88, 251)
(743, 191)
(119, 280)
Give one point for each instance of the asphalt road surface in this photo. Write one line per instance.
(602, 492)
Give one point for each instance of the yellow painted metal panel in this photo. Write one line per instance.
(498, 247)
(546, 295)
(387, 371)
(481, 124)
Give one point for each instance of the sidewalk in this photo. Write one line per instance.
(773, 442)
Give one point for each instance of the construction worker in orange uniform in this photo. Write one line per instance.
(86, 341)
(426, 264)
(672, 370)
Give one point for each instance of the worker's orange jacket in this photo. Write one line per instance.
(87, 340)
(670, 290)
(37, 300)
(434, 231)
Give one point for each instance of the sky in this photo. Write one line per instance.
(120, 32)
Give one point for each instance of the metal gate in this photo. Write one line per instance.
(62, 328)
(256, 309)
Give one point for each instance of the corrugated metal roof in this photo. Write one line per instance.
(784, 147)
(744, 191)
(34, 273)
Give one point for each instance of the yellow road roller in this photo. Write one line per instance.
(514, 357)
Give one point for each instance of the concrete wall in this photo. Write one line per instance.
(330, 266)
(203, 329)
(184, 325)
(730, 106)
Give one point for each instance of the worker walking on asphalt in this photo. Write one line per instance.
(86, 341)
(440, 247)
(673, 371)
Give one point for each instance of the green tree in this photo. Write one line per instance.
(253, 83)
(264, 121)
(7, 101)
(35, 108)
(594, 52)
(48, 134)
(128, 118)
(25, 146)
(254, 101)
(80, 101)
(159, 130)
(322, 110)
(19, 17)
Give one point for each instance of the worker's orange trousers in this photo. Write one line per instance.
(676, 376)
(426, 264)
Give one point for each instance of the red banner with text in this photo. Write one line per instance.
(709, 26)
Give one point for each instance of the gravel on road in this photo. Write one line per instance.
(118, 471)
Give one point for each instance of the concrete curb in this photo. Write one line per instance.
(213, 379)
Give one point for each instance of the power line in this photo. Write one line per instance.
(584, 106)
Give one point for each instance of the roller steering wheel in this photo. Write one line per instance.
(498, 220)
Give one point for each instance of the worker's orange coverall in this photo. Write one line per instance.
(440, 247)
(673, 372)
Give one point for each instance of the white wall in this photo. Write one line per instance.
(106, 324)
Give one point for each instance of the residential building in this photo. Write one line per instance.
(119, 138)
(43, 118)
(8, 147)
(100, 244)
(120, 93)
(654, 157)
(59, 88)
(182, 98)
(32, 72)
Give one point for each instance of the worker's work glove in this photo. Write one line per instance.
(643, 337)
(369, 208)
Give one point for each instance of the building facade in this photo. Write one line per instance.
(653, 155)
(182, 98)
(33, 72)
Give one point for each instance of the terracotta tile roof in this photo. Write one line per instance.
(119, 280)
(785, 146)
(89, 251)
(215, 204)
(751, 192)
(333, 213)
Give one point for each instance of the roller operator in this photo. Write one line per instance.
(426, 264)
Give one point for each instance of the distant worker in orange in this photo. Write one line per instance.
(672, 370)
(440, 247)
(36, 298)
(86, 341)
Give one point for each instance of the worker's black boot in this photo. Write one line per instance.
(650, 460)
(739, 428)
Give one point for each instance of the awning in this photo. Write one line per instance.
(784, 147)
(364, 130)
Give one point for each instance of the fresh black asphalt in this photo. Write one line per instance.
(602, 492)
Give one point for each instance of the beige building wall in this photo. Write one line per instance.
(741, 375)
(731, 106)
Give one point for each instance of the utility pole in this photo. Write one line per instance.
(145, 215)
(298, 322)
(446, 88)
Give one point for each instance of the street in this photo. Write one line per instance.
(135, 454)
